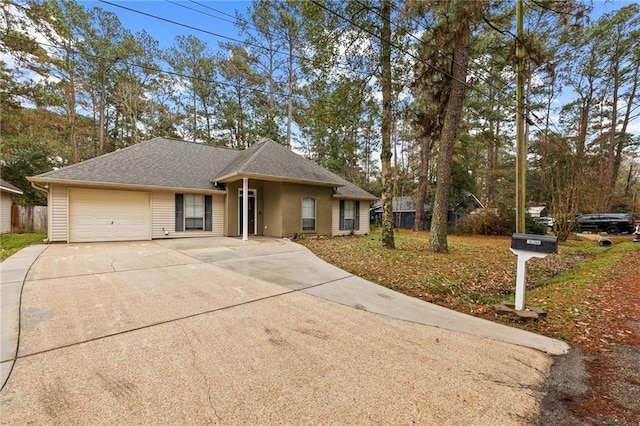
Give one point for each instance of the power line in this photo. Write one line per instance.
(147, 67)
(214, 34)
(444, 55)
(300, 97)
(199, 11)
(337, 64)
(222, 13)
(400, 49)
(527, 118)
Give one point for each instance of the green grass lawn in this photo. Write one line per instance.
(480, 271)
(12, 243)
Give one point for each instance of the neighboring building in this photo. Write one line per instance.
(404, 211)
(6, 192)
(537, 211)
(169, 188)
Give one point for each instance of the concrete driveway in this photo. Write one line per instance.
(196, 331)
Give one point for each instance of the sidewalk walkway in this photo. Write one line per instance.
(13, 272)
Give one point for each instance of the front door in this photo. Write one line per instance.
(251, 214)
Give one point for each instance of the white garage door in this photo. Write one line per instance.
(101, 215)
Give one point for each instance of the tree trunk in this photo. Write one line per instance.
(611, 176)
(101, 111)
(290, 95)
(438, 235)
(620, 145)
(195, 115)
(385, 151)
(425, 153)
(75, 156)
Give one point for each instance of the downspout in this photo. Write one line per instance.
(40, 188)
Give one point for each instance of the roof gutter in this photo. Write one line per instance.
(235, 176)
(121, 186)
(40, 188)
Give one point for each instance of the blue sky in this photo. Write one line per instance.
(212, 16)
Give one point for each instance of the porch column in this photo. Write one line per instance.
(245, 209)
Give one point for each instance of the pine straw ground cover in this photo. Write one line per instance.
(480, 271)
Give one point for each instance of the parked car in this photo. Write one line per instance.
(611, 223)
(546, 222)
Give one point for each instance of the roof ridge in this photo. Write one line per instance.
(258, 147)
(191, 142)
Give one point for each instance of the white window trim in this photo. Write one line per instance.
(315, 214)
(184, 209)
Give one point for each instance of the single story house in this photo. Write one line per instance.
(166, 188)
(404, 211)
(6, 201)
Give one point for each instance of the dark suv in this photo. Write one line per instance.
(611, 223)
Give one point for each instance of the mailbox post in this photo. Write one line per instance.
(526, 246)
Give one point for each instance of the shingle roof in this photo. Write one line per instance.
(9, 187)
(171, 163)
(400, 204)
(270, 159)
(158, 162)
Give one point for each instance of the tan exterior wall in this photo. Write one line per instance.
(163, 213)
(272, 209)
(364, 219)
(58, 212)
(292, 195)
(278, 211)
(232, 207)
(5, 212)
(279, 208)
(217, 226)
(365, 223)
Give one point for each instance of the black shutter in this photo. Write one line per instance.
(207, 212)
(179, 212)
(357, 214)
(341, 225)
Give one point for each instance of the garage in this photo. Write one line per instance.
(106, 215)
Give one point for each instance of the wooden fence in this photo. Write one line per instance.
(28, 219)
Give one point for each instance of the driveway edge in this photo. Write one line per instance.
(13, 273)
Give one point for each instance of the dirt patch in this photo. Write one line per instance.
(598, 382)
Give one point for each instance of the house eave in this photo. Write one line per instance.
(232, 177)
(12, 191)
(353, 197)
(125, 186)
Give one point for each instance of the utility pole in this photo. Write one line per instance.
(521, 141)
